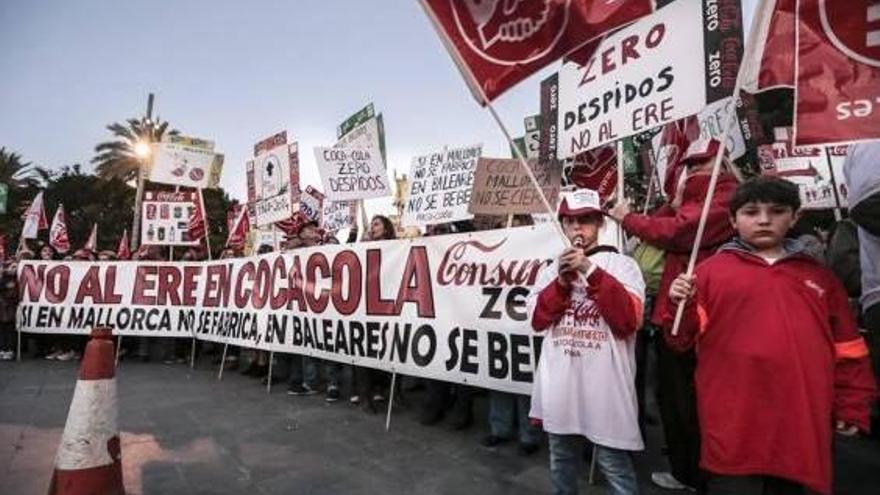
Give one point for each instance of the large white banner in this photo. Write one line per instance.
(440, 186)
(447, 307)
(665, 67)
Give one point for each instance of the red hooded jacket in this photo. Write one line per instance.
(674, 231)
(779, 358)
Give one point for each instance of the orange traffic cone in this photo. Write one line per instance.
(89, 457)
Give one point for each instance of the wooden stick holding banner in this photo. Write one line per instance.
(729, 120)
(519, 156)
(277, 247)
(390, 401)
(621, 193)
(192, 352)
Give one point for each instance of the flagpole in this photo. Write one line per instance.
(729, 120)
(147, 122)
(519, 156)
(621, 193)
(192, 353)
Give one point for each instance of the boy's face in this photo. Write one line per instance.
(582, 231)
(764, 225)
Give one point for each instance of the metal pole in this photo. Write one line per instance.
(147, 123)
(390, 401)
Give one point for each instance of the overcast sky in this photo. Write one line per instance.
(236, 72)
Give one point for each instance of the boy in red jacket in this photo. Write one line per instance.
(779, 358)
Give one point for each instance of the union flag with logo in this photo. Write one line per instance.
(498, 43)
(838, 71)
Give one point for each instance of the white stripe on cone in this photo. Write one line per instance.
(91, 423)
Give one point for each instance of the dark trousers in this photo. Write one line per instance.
(676, 396)
(753, 485)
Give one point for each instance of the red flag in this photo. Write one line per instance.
(498, 43)
(58, 237)
(770, 63)
(92, 243)
(238, 232)
(123, 251)
(197, 220)
(838, 72)
(34, 218)
(596, 169)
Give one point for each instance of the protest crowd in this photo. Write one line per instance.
(746, 298)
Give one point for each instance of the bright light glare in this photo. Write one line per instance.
(142, 149)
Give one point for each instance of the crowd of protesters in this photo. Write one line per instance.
(778, 312)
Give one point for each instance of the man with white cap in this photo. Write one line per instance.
(589, 303)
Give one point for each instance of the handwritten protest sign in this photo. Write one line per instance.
(662, 68)
(311, 204)
(273, 180)
(338, 215)
(352, 173)
(440, 186)
(502, 187)
(447, 307)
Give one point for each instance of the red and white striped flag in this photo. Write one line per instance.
(123, 251)
(240, 228)
(34, 218)
(92, 243)
(58, 236)
(197, 228)
(498, 43)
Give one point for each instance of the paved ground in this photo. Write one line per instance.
(185, 433)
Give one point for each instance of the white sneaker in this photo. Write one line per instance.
(7, 355)
(66, 356)
(53, 355)
(666, 480)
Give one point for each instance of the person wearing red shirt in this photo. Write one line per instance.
(673, 228)
(780, 361)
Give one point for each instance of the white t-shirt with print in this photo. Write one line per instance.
(585, 382)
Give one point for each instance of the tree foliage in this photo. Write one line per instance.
(117, 158)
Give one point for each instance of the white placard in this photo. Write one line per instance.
(641, 77)
(440, 186)
(352, 173)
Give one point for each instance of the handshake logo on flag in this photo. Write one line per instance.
(857, 36)
(510, 31)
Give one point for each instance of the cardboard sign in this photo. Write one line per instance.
(273, 183)
(665, 67)
(186, 161)
(352, 173)
(165, 218)
(502, 187)
(440, 186)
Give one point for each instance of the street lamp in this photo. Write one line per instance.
(142, 149)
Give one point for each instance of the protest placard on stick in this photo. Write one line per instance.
(440, 186)
(502, 187)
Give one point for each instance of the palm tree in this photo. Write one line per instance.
(117, 159)
(14, 172)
